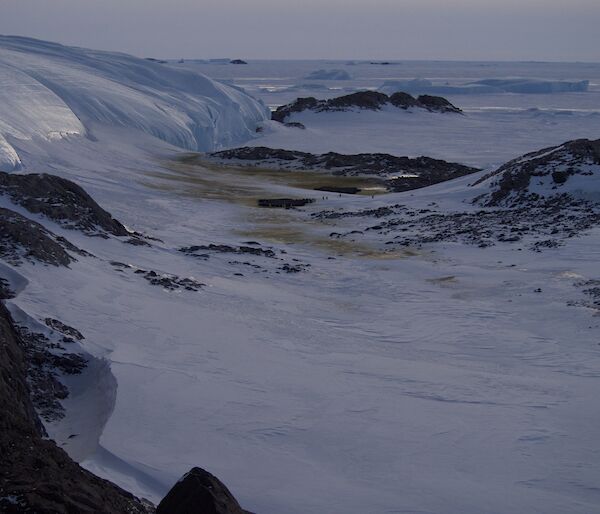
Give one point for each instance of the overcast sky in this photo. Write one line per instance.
(331, 29)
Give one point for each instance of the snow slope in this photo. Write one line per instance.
(448, 379)
(436, 382)
(52, 91)
(572, 168)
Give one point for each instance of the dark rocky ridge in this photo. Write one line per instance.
(370, 100)
(60, 200)
(399, 173)
(35, 474)
(199, 492)
(537, 219)
(23, 239)
(552, 166)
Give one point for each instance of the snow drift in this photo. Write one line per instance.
(49, 90)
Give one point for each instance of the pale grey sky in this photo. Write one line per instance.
(332, 29)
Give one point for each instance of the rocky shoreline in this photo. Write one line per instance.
(369, 100)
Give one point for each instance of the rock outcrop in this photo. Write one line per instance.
(370, 100)
(35, 474)
(571, 169)
(199, 492)
(22, 239)
(61, 201)
(398, 173)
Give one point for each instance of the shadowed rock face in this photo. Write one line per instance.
(60, 200)
(24, 239)
(199, 492)
(35, 475)
(362, 99)
(370, 100)
(437, 103)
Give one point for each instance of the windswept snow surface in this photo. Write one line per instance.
(446, 379)
(51, 91)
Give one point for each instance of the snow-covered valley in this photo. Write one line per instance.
(306, 361)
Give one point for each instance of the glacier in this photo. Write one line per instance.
(53, 91)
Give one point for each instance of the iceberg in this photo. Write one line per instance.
(483, 87)
(329, 75)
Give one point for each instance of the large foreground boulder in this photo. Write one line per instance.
(199, 492)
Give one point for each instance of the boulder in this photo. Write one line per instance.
(199, 492)
(371, 100)
(546, 173)
(403, 100)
